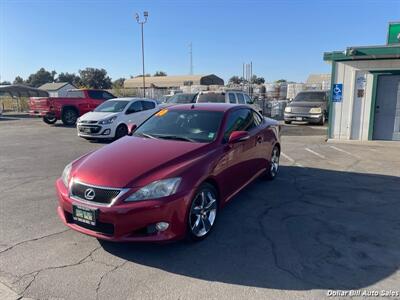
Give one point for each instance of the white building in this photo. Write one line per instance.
(57, 89)
(365, 102)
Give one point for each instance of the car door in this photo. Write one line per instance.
(133, 113)
(149, 108)
(237, 159)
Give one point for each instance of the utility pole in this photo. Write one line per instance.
(145, 15)
(191, 58)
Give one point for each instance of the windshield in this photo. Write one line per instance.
(111, 106)
(211, 97)
(184, 125)
(181, 98)
(311, 97)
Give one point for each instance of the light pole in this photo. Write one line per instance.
(145, 15)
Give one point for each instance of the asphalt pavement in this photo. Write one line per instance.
(329, 222)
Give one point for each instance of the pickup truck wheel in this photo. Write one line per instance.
(121, 131)
(323, 120)
(69, 116)
(49, 119)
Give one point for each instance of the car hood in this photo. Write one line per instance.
(97, 116)
(306, 104)
(132, 161)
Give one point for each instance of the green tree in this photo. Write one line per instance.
(18, 80)
(145, 75)
(119, 83)
(281, 81)
(160, 73)
(41, 77)
(70, 78)
(235, 80)
(95, 78)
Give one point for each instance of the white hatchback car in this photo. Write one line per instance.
(111, 118)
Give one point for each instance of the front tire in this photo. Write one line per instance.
(323, 120)
(273, 165)
(121, 131)
(49, 119)
(202, 213)
(69, 117)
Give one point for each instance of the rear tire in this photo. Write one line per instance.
(49, 119)
(273, 164)
(121, 131)
(203, 212)
(69, 116)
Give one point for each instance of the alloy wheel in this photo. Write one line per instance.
(203, 212)
(274, 162)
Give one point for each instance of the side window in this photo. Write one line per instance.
(75, 94)
(247, 99)
(257, 119)
(148, 105)
(240, 98)
(135, 107)
(107, 95)
(238, 120)
(232, 98)
(96, 94)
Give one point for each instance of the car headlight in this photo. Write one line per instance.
(288, 109)
(156, 189)
(66, 173)
(107, 121)
(315, 110)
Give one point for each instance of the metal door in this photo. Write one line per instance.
(387, 108)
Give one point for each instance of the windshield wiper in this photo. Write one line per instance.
(176, 137)
(146, 135)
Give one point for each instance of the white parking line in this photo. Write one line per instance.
(315, 153)
(344, 151)
(287, 157)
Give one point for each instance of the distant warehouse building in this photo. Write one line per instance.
(318, 82)
(57, 89)
(365, 91)
(160, 85)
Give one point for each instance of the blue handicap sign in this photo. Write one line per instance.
(337, 92)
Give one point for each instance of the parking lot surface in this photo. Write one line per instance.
(330, 221)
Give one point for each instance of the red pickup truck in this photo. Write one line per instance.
(69, 108)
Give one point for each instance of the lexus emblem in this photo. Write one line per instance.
(90, 194)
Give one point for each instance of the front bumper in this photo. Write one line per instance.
(95, 131)
(129, 222)
(302, 117)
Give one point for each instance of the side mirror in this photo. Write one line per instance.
(131, 128)
(238, 136)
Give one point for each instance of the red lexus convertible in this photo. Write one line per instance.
(172, 175)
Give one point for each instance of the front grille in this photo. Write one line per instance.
(89, 129)
(101, 195)
(100, 227)
(88, 122)
(300, 109)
